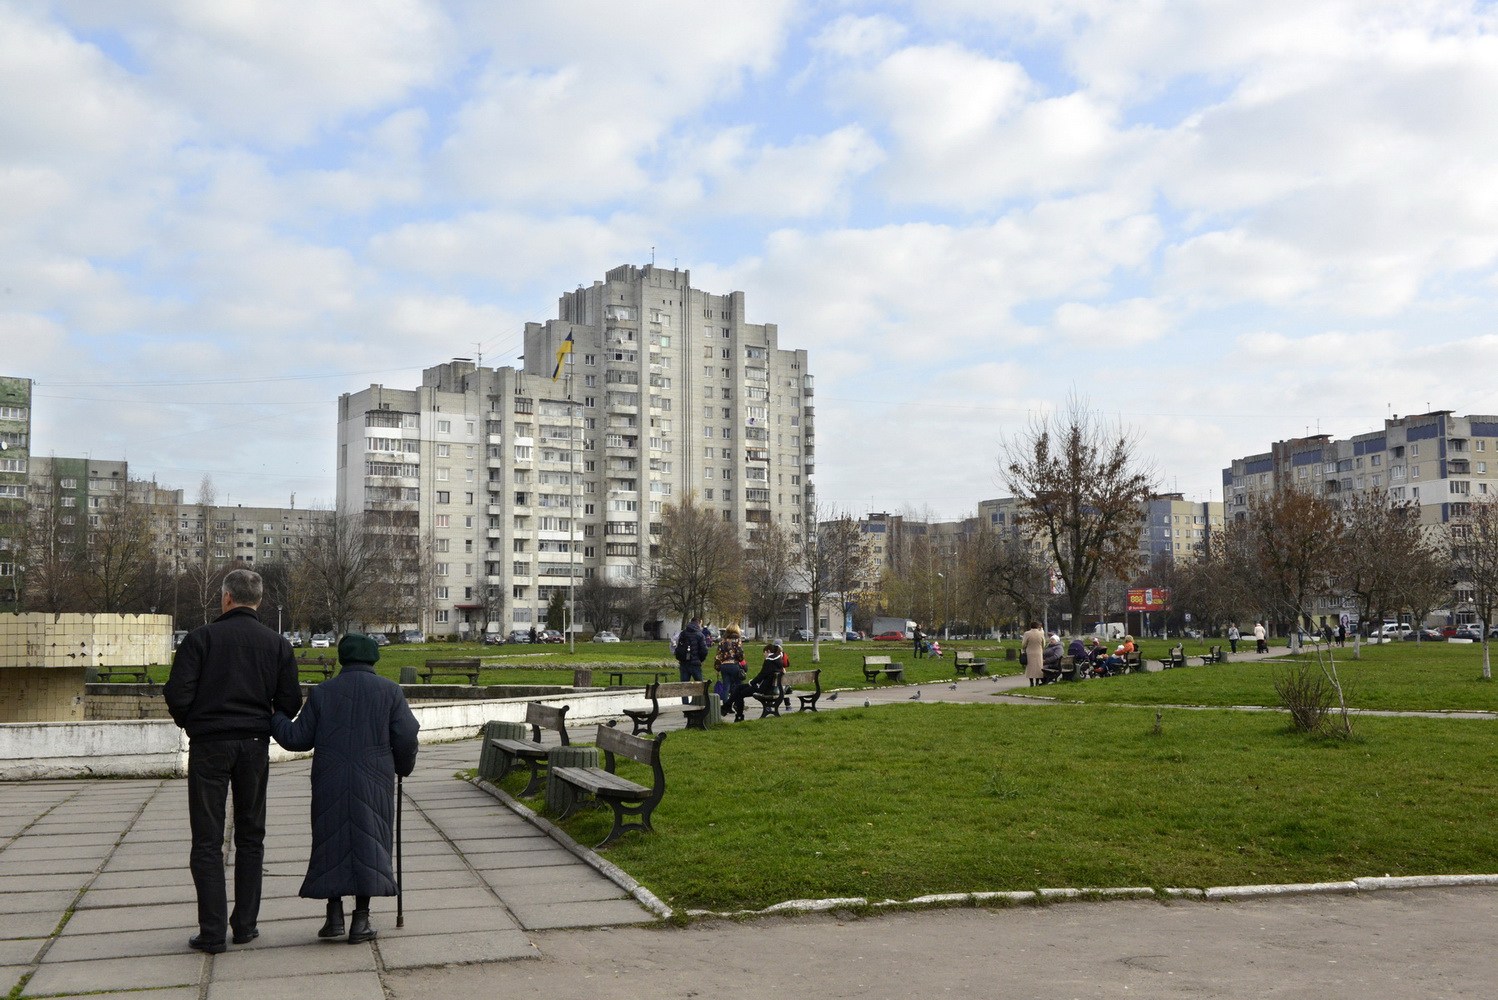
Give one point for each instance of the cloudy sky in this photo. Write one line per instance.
(1221, 223)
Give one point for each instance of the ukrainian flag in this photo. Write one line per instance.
(562, 352)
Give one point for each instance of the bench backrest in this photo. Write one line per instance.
(614, 741)
(539, 717)
(678, 689)
(962, 656)
(464, 664)
(1216, 652)
(793, 677)
(874, 661)
(307, 661)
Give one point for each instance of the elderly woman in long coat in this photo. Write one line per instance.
(363, 734)
(1034, 653)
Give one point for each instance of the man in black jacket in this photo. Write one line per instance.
(227, 678)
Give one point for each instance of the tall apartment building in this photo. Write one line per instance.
(500, 486)
(15, 452)
(1437, 460)
(1178, 529)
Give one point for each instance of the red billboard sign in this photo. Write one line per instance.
(1149, 599)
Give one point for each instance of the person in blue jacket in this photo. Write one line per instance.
(362, 734)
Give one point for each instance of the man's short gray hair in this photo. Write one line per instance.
(244, 586)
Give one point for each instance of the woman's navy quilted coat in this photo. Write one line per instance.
(363, 734)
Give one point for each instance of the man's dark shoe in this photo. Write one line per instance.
(245, 937)
(359, 929)
(199, 943)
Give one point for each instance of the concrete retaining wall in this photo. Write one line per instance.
(139, 747)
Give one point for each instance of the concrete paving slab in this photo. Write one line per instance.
(490, 919)
(452, 878)
(523, 859)
(307, 957)
(504, 845)
(446, 899)
(112, 919)
(570, 891)
(41, 858)
(500, 878)
(28, 925)
(431, 862)
(20, 952)
(544, 916)
(455, 949)
(141, 896)
(49, 901)
(120, 944)
(338, 986)
(36, 883)
(165, 856)
(116, 974)
(179, 993)
(10, 976)
(141, 878)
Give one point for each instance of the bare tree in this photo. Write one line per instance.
(1018, 577)
(55, 546)
(1383, 538)
(698, 569)
(769, 577)
(121, 553)
(1290, 542)
(1080, 484)
(342, 568)
(845, 556)
(1474, 556)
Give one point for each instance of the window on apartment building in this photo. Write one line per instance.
(441, 569)
(441, 475)
(444, 450)
(444, 426)
(441, 593)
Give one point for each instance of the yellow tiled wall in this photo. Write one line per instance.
(67, 640)
(41, 694)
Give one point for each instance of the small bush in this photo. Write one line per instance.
(1308, 694)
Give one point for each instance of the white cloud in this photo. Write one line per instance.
(1129, 323)
(854, 37)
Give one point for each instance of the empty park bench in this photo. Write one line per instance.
(137, 675)
(873, 666)
(538, 717)
(1133, 662)
(626, 797)
(1213, 655)
(468, 667)
(322, 665)
(1175, 658)
(696, 714)
(964, 660)
(770, 703)
(616, 677)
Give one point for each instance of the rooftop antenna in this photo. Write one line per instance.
(478, 350)
(652, 256)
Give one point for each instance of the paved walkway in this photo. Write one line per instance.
(95, 898)
(95, 894)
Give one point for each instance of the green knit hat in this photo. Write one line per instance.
(356, 648)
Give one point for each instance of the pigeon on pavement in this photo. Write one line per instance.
(952, 688)
(866, 703)
(914, 696)
(832, 696)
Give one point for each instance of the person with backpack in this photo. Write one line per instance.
(691, 650)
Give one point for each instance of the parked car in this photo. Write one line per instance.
(551, 635)
(291, 637)
(605, 637)
(518, 636)
(413, 635)
(1424, 635)
(828, 636)
(854, 637)
(322, 641)
(801, 635)
(1467, 632)
(380, 638)
(1449, 630)
(493, 639)
(890, 637)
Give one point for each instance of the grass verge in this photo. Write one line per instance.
(904, 800)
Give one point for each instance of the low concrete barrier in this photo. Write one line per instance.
(130, 748)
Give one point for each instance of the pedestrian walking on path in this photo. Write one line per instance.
(363, 734)
(226, 679)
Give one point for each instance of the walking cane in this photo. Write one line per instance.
(400, 912)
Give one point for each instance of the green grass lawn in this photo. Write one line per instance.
(1394, 677)
(903, 800)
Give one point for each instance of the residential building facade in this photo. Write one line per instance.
(501, 486)
(15, 453)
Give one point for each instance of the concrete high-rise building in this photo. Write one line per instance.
(497, 487)
(15, 453)
(1178, 529)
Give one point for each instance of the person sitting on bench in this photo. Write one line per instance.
(766, 682)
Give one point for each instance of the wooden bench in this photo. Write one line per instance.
(323, 665)
(1133, 662)
(137, 675)
(1176, 658)
(771, 702)
(696, 715)
(538, 717)
(964, 660)
(468, 667)
(626, 797)
(873, 666)
(616, 677)
(1213, 655)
